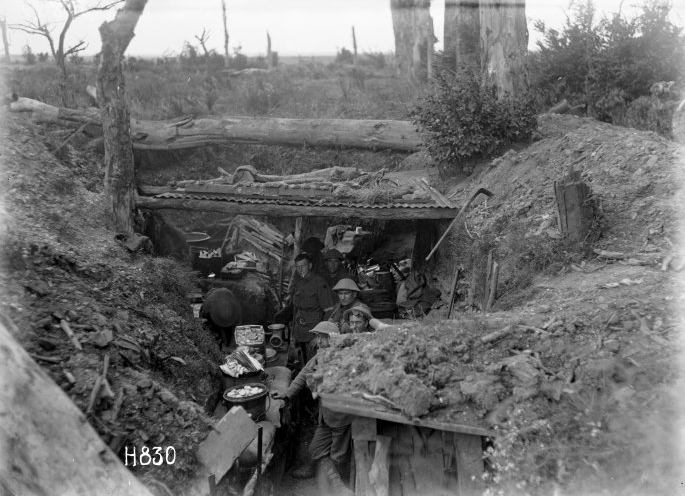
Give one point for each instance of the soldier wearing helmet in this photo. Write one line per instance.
(330, 447)
(333, 270)
(348, 297)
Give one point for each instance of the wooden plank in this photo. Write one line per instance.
(47, 445)
(486, 287)
(379, 475)
(492, 293)
(231, 435)
(435, 194)
(364, 429)
(406, 473)
(469, 454)
(364, 408)
(362, 466)
(280, 210)
(453, 290)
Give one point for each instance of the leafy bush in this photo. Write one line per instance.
(609, 63)
(464, 119)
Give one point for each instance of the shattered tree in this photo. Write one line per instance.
(414, 38)
(504, 41)
(462, 34)
(119, 167)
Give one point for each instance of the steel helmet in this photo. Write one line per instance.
(346, 285)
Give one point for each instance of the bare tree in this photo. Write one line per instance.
(227, 57)
(354, 47)
(5, 42)
(116, 118)
(203, 38)
(73, 10)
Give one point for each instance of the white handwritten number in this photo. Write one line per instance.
(158, 453)
(166, 455)
(145, 452)
(144, 458)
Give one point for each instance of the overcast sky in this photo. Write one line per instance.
(297, 27)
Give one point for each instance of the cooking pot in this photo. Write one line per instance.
(254, 405)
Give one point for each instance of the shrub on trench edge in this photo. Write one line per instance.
(463, 119)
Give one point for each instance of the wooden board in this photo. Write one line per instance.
(47, 445)
(379, 475)
(364, 408)
(362, 461)
(469, 454)
(231, 435)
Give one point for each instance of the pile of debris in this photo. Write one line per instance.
(340, 183)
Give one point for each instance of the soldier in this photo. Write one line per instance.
(330, 446)
(348, 298)
(223, 312)
(310, 295)
(334, 271)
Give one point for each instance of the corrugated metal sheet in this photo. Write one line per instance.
(303, 203)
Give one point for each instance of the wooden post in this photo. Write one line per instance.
(469, 454)
(493, 287)
(472, 289)
(379, 475)
(574, 212)
(486, 286)
(298, 236)
(455, 279)
(363, 434)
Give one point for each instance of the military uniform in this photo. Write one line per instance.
(310, 295)
(338, 316)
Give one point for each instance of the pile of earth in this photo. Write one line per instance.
(633, 176)
(62, 268)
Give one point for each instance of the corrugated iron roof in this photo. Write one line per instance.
(319, 202)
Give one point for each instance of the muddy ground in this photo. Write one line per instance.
(581, 387)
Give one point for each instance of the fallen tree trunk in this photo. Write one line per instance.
(46, 444)
(189, 132)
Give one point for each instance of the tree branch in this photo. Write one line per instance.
(79, 47)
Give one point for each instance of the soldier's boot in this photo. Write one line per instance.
(335, 482)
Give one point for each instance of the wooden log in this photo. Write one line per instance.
(46, 444)
(560, 108)
(188, 132)
(379, 475)
(496, 335)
